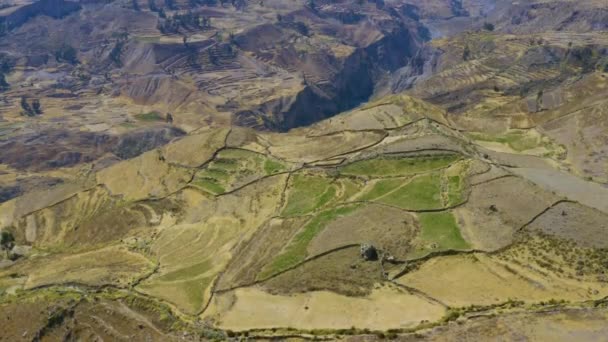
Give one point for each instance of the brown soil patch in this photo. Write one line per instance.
(386, 228)
(264, 245)
(343, 272)
(587, 227)
(497, 209)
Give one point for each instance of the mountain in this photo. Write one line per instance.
(293, 170)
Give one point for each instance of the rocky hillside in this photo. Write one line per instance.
(258, 64)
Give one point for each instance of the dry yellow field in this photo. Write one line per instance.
(384, 309)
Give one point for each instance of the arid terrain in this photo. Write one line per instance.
(292, 170)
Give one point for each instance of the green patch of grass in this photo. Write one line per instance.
(350, 188)
(486, 37)
(394, 166)
(187, 272)
(296, 252)
(148, 39)
(441, 230)
(517, 140)
(128, 125)
(423, 192)
(195, 290)
(455, 190)
(327, 196)
(150, 116)
(224, 164)
(523, 143)
(217, 174)
(232, 167)
(188, 294)
(272, 166)
(382, 187)
(308, 193)
(209, 186)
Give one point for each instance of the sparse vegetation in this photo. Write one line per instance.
(272, 166)
(422, 192)
(66, 53)
(150, 116)
(210, 185)
(233, 168)
(30, 109)
(466, 54)
(7, 241)
(184, 22)
(296, 252)
(116, 53)
(440, 232)
(398, 166)
(455, 190)
(383, 187)
(36, 108)
(6, 65)
(3, 83)
(517, 140)
(308, 193)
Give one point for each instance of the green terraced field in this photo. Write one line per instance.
(383, 187)
(209, 185)
(296, 251)
(308, 193)
(233, 168)
(517, 140)
(455, 190)
(398, 166)
(421, 193)
(187, 272)
(150, 116)
(441, 231)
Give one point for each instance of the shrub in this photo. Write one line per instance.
(66, 53)
(6, 240)
(466, 53)
(3, 84)
(36, 107)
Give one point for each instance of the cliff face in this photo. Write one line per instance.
(355, 81)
